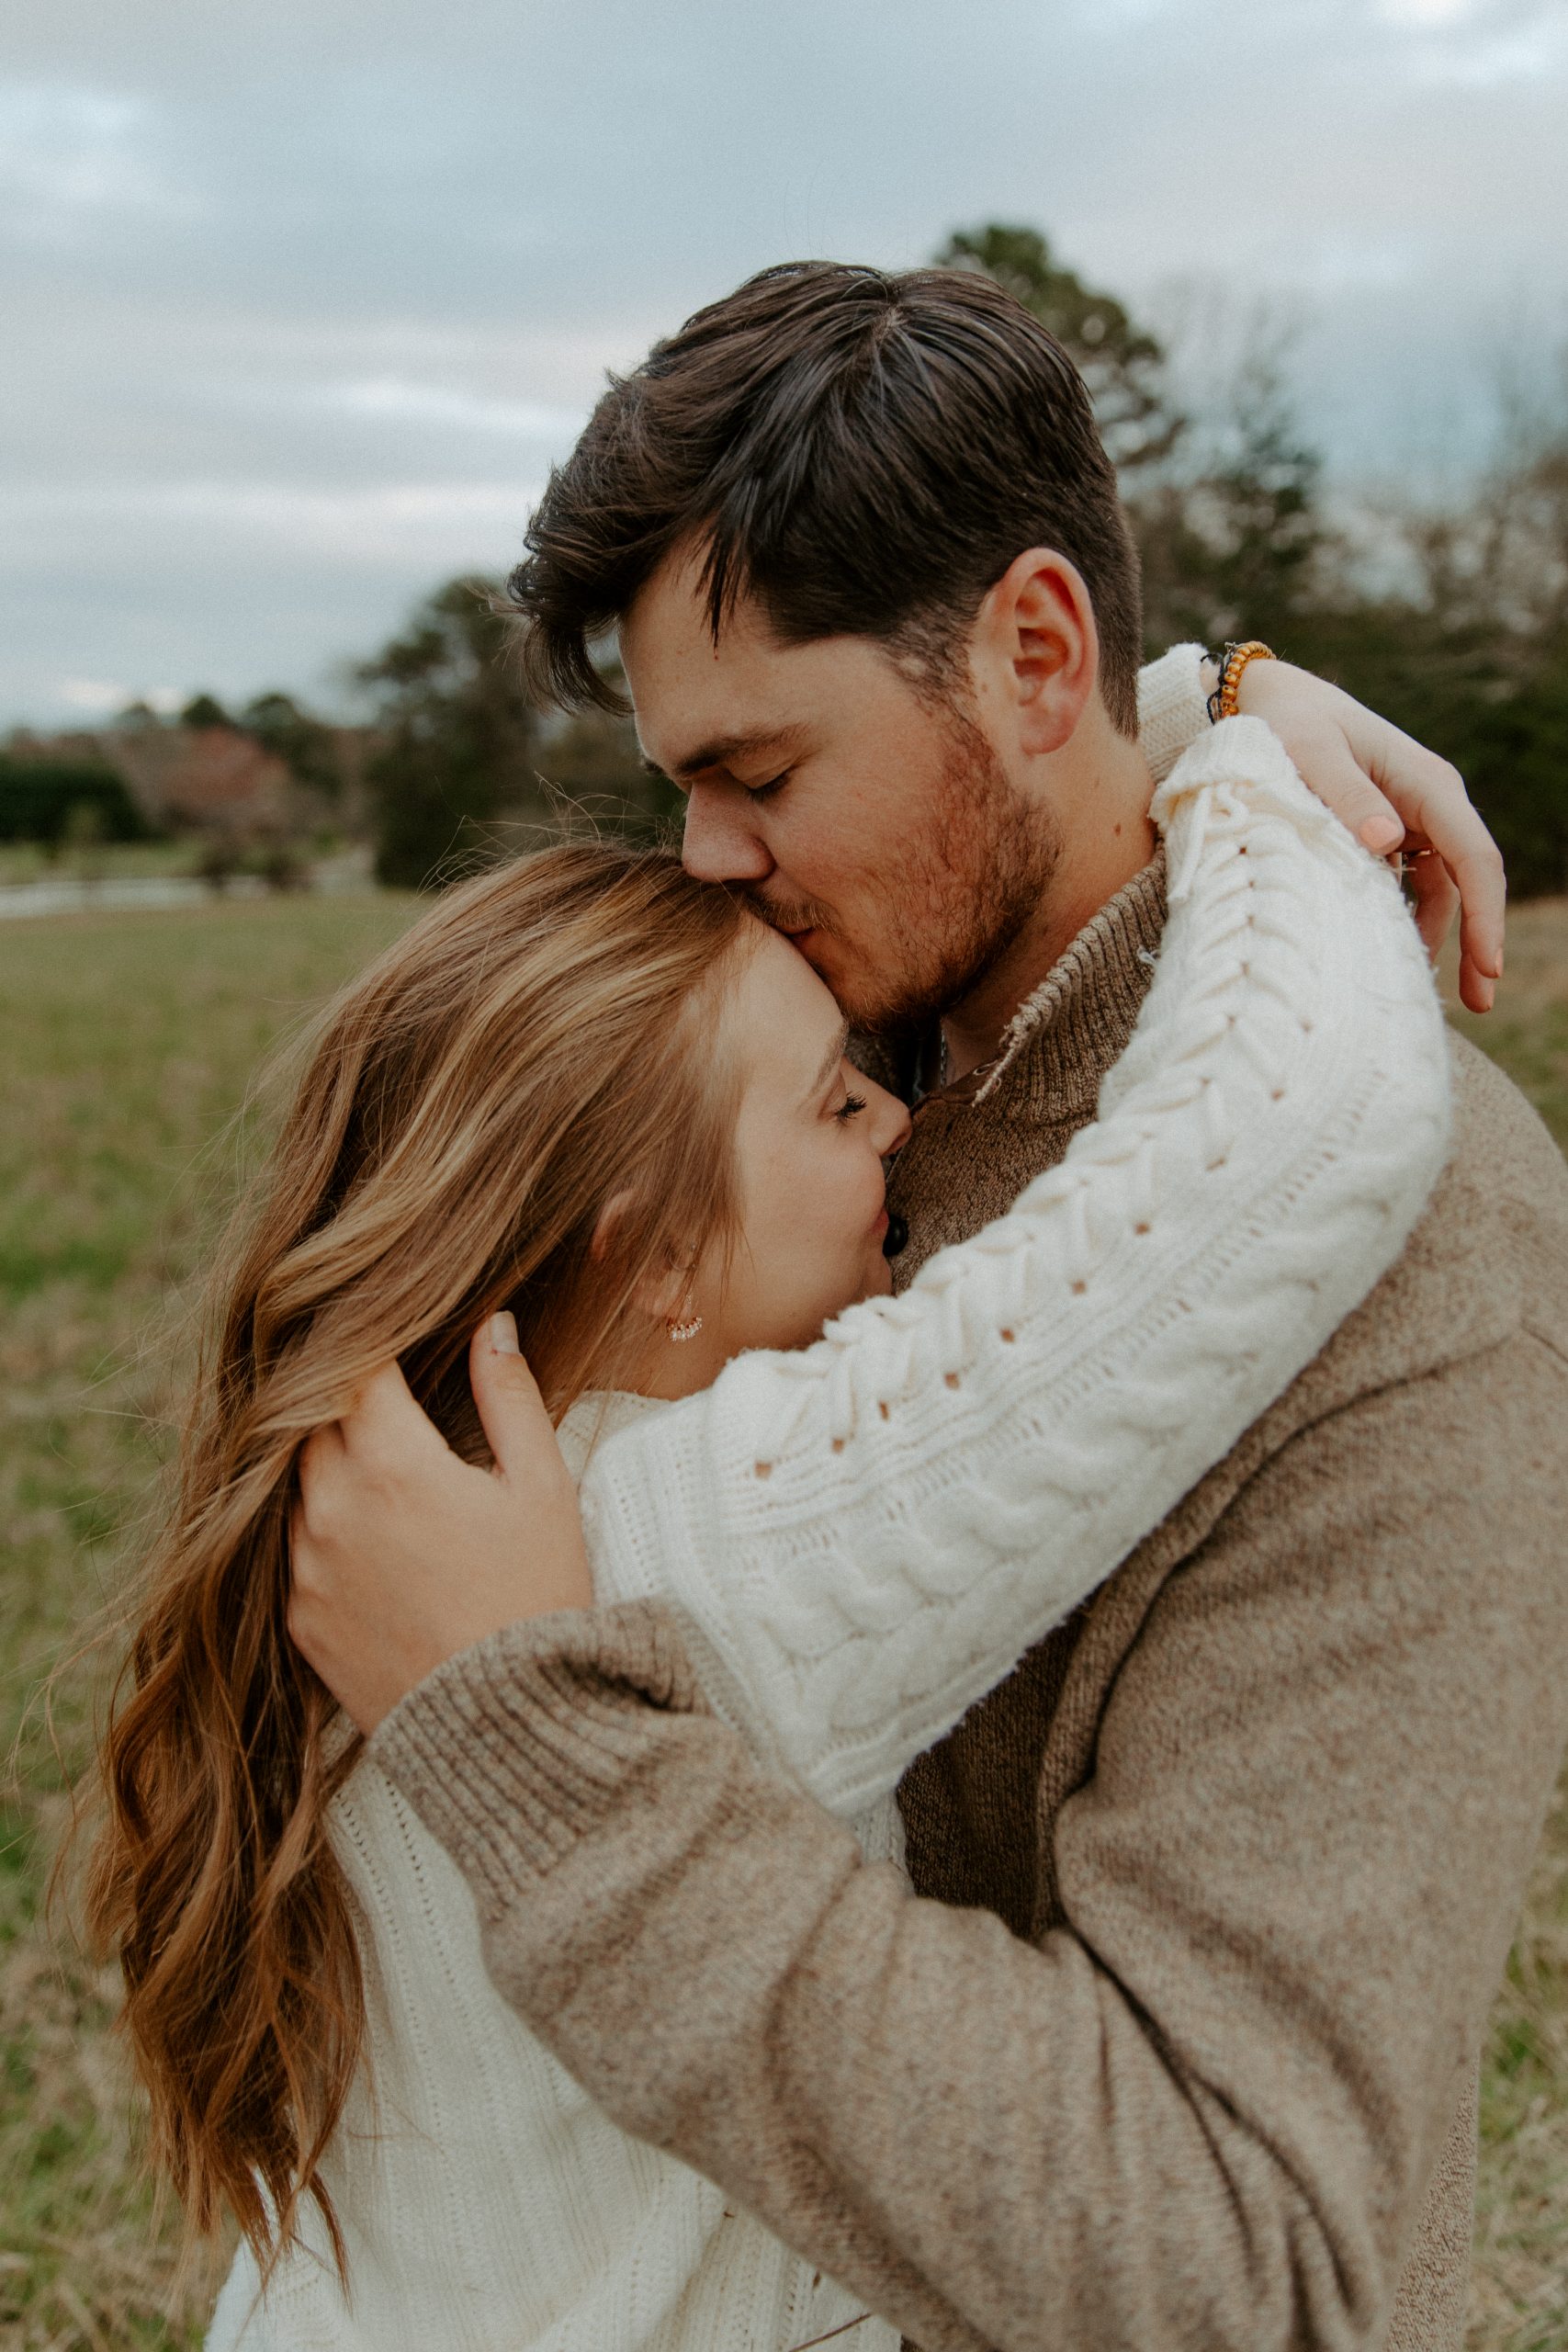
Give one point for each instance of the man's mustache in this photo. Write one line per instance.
(786, 915)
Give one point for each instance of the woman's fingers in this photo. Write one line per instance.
(1326, 764)
(510, 1406)
(1431, 796)
(1434, 898)
(1391, 792)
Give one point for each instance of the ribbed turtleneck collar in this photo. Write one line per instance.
(1066, 1035)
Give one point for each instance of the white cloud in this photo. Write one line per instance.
(1340, 262)
(66, 152)
(405, 404)
(455, 524)
(91, 694)
(1531, 54)
(1430, 13)
(1480, 43)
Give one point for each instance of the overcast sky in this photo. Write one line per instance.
(298, 298)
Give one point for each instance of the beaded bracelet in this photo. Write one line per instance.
(1233, 661)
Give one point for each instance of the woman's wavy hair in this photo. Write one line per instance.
(540, 1046)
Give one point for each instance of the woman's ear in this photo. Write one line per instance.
(663, 1293)
(612, 1216)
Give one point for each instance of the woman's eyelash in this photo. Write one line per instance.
(849, 1106)
(774, 784)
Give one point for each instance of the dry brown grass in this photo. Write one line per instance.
(1528, 1031)
(126, 1044)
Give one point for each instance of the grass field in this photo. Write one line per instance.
(29, 862)
(127, 1047)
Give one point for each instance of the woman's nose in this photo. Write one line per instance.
(890, 1125)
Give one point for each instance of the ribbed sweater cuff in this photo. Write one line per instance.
(1172, 709)
(517, 1748)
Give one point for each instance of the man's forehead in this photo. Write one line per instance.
(752, 693)
(727, 703)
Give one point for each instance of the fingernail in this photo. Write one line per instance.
(1380, 834)
(503, 1334)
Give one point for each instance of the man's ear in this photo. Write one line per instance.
(1037, 649)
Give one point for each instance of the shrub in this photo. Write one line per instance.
(39, 799)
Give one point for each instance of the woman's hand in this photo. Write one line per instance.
(402, 1554)
(1400, 800)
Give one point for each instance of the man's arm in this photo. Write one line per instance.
(1202, 2113)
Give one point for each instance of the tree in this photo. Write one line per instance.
(308, 749)
(202, 710)
(1233, 539)
(455, 758)
(56, 801)
(1121, 362)
(1226, 509)
(594, 762)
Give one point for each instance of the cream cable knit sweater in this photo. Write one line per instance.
(863, 1537)
(1050, 1389)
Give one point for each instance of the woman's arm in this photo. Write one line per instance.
(863, 1538)
(1391, 792)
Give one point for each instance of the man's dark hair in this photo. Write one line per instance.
(864, 453)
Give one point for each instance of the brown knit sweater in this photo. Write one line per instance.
(1181, 2057)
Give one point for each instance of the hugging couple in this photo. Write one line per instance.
(864, 1634)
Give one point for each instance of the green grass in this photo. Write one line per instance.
(128, 1044)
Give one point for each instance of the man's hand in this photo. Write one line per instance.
(1398, 799)
(402, 1554)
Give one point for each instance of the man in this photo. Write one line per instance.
(1175, 2043)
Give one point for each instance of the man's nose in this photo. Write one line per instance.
(720, 844)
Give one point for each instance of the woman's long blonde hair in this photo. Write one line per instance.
(539, 1046)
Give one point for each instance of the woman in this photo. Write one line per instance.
(593, 1097)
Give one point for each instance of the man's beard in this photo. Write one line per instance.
(949, 903)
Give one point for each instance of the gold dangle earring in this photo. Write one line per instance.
(684, 1323)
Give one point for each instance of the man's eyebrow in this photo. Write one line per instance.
(830, 1062)
(719, 750)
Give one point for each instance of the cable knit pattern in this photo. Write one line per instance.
(865, 1536)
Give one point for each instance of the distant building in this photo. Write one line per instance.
(208, 779)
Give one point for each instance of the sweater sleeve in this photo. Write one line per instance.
(860, 1538)
(1173, 709)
